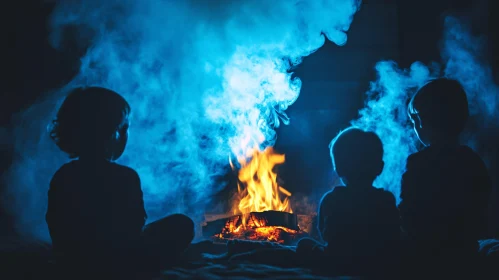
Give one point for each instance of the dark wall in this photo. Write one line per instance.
(33, 65)
(30, 68)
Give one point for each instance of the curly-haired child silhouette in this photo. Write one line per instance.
(446, 186)
(95, 210)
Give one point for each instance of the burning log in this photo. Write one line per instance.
(255, 219)
(274, 226)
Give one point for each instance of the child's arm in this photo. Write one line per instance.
(320, 216)
(136, 216)
(406, 195)
(53, 217)
(325, 211)
(482, 190)
(392, 216)
(129, 221)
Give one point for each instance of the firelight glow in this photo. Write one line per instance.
(259, 190)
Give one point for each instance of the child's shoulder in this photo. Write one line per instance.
(66, 168)
(126, 173)
(334, 194)
(461, 153)
(77, 166)
(469, 154)
(336, 191)
(419, 156)
(124, 169)
(383, 195)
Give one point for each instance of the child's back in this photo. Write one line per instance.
(359, 223)
(95, 206)
(446, 186)
(444, 198)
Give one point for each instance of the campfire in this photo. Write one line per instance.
(261, 209)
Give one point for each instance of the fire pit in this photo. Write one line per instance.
(261, 209)
(273, 226)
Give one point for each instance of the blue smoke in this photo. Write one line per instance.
(386, 114)
(385, 109)
(465, 58)
(205, 79)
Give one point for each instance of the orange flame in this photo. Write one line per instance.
(258, 189)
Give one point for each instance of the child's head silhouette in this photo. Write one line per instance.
(93, 122)
(357, 156)
(439, 111)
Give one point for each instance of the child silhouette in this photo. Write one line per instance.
(359, 223)
(95, 207)
(446, 186)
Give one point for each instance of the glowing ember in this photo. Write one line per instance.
(270, 233)
(261, 226)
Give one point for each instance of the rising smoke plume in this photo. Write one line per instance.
(385, 109)
(202, 77)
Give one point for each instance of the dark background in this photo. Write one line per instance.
(400, 30)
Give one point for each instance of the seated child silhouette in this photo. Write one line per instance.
(446, 186)
(359, 223)
(95, 210)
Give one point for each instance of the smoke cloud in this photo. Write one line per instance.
(465, 60)
(205, 79)
(386, 114)
(385, 109)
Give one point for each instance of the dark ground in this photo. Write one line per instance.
(236, 260)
